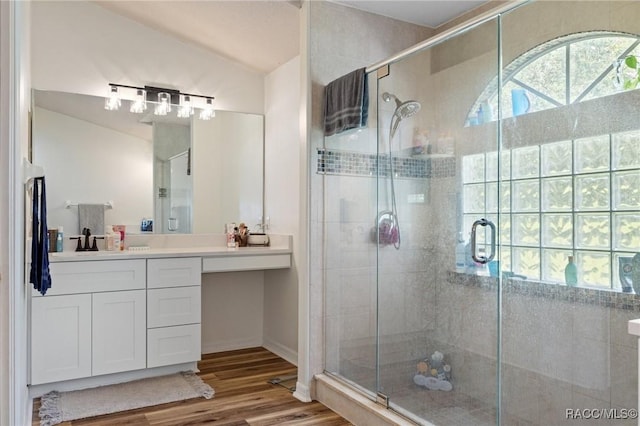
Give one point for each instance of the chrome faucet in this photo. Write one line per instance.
(263, 226)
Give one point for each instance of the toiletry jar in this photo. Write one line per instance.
(258, 240)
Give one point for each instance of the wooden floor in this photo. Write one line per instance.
(243, 396)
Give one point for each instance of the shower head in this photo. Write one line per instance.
(403, 109)
(408, 108)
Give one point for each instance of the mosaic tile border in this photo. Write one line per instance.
(558, 292)
(334, 162)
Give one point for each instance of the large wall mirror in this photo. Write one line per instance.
(188, 175)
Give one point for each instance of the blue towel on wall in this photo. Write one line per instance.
(39, 274)
(346, 103)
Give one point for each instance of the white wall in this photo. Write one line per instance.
(80, 47)
(232, 310)
(14, 98)
(5, 223)
(282, 202)
(61, 145)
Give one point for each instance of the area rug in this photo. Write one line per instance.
(57, 407)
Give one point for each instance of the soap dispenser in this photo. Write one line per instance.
(60, 240)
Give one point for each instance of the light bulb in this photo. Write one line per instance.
(208, 112)
(186, 109)
(112, 101)
(139, 104)
(164, 104)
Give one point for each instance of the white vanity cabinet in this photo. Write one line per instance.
(173, 310)
(91, 322)
(117, 316)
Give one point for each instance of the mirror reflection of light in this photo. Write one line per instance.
(208, 112)
(112, 101)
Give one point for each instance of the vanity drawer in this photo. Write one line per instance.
(246, 263)
(95, 276)
(173, 345)
(173, 306)
(174, 272)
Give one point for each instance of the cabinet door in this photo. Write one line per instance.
(119, 331)
(60, 338)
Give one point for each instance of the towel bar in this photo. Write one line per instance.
(68, 204)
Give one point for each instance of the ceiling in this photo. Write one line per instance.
(430, 13)
(264, 34)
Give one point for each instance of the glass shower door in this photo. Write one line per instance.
(437, 326)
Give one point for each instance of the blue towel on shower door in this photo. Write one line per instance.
(346, 103)
(39, 274)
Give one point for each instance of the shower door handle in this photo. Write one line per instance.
(483, 259)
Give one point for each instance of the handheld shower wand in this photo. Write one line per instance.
(403, 110)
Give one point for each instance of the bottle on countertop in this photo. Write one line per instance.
(230, 230)
(60, 240)
(461, 263)
(117, 241)
(109, 240)
(571, 273)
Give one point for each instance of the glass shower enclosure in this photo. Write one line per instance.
(483, 232)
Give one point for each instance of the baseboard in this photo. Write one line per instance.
(302, 392)
(281, 350)
(354, 406)
(231, 345)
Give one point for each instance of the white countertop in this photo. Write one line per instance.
(633, 327)
(184, 246)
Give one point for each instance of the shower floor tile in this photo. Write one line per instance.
(448, 408)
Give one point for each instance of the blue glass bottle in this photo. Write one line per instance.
(571, 273)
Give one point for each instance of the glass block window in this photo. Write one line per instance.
(576, 198)
(563, 71)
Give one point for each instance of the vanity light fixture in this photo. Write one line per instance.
(166, 98)
(208, 112)
(139, 104)
(112, 101)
